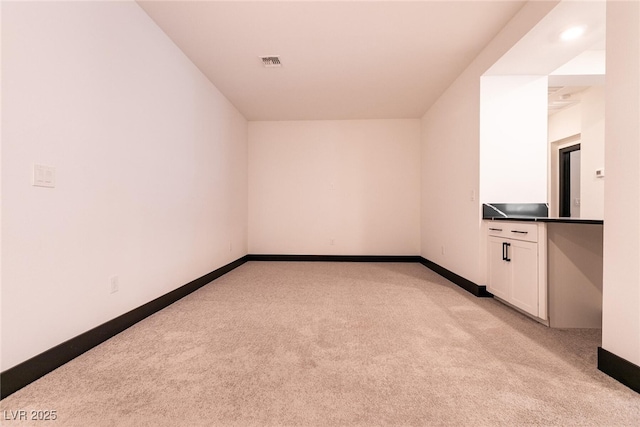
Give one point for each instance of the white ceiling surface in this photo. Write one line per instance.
(341, 60)
(542, 52)
(572, 66)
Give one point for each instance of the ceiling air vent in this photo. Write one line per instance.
(271, 61)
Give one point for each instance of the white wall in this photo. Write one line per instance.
(1, 184)
(586, 119)
(513, 139)
(451, 159)
(621, 284)
(565, 123)
(592, 153)
(151, 165)
(564, 131)
(356, 183)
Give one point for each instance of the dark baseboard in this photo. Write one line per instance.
(335, 258)
(468, 285)
(620, 369)
(15, 378)
(477, 290)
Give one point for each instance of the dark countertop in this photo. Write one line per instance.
(548, 219)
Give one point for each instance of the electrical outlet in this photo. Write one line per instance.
(230, 246)
(115, 284)
(332, 242)
(442, 249)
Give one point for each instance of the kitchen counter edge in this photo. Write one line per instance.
(549, 220)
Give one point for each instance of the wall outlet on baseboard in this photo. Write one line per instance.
(114, 283)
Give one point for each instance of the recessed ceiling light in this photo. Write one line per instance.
(572, 33)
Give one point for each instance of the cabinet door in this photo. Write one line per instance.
(498, 282)
(524, 275)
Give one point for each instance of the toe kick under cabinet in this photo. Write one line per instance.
(517, 266)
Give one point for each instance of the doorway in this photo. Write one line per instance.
(569, 182)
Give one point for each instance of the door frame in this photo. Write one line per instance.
(564, 179)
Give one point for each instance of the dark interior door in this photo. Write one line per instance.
(566, 196)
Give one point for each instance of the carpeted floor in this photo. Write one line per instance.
(344, 344)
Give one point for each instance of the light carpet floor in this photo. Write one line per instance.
(334, 344)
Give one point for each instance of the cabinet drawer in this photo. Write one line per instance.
(527, 231)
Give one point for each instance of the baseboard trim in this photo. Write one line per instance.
(468, 285)
(335, 258)
(19, 376)
(477, 290)
(619, 369)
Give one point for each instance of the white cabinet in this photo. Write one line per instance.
(515, 262)
(524, 275)
(499, 283)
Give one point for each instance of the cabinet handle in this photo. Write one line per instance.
(521, 232)
(495, 229)
(505, 251)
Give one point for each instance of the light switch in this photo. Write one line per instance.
(44, 176)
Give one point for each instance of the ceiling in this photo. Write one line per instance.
(542, 52)
(572, 66)
(563, 97)
(340, 59)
